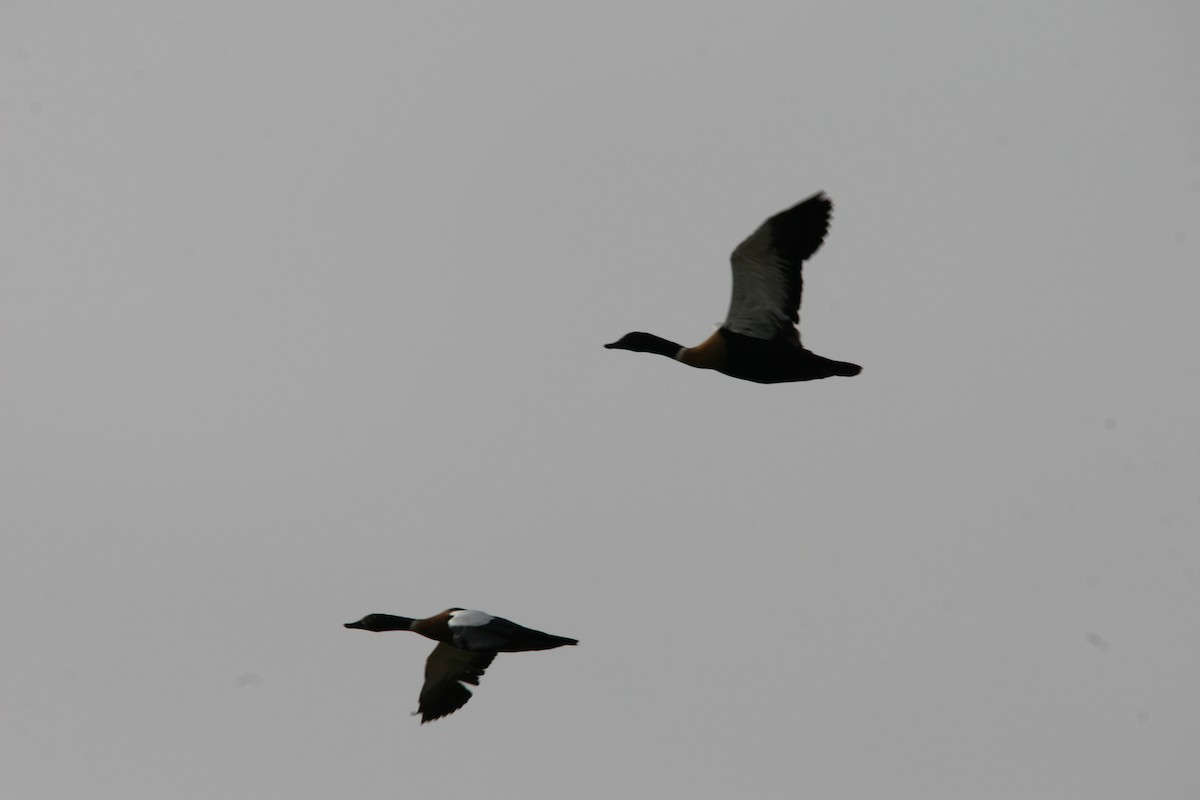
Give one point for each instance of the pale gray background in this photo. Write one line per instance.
(302, 316)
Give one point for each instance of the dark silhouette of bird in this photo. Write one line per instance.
(467, 643)
(759, 340)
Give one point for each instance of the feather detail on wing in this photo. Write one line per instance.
(446, 670)
(766, 270)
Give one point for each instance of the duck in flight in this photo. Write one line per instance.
(467, 643)
(760, 340)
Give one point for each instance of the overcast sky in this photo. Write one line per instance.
(301, 315)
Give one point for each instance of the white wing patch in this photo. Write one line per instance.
(760, 288)
(758, 305)
(767, 281)
(468, 619)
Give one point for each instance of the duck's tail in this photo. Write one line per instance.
(845, 369)
(529, 639)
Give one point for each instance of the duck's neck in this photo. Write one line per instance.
(390, 622)
(661, 346)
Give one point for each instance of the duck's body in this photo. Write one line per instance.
(760, 340)
(468, 642)
(777, 360)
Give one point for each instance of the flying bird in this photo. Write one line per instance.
(467, 643)
(759, 340)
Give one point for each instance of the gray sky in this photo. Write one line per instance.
(302, 317)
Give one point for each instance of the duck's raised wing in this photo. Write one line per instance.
(766, 270)
(446, 670)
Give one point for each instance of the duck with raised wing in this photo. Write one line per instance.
(760, 338)
(467, 643)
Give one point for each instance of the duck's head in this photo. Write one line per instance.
(645, 343)
(382, 622)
